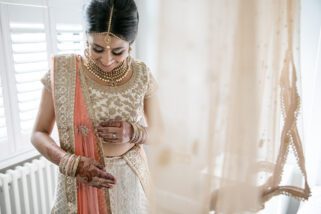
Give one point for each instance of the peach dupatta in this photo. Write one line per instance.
(89, 199)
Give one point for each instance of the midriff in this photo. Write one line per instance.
(116, 149)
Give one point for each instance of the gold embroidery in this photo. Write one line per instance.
(82, 129)
(64, 90)
(90, 110)
(126, 101)
(139, 165)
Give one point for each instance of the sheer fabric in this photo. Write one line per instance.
(229, 90)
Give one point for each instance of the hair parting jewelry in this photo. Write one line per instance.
(108, 38)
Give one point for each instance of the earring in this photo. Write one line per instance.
(86, 51)
(129, 49)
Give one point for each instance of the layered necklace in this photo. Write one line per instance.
(113, 77)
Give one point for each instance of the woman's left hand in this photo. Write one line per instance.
(115, 131)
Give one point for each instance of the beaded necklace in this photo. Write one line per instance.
(112, 78)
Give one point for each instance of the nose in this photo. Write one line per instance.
(106, 59)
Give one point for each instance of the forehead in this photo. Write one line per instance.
(99, 39)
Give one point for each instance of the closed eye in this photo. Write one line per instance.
(98, 50)
(118, 53)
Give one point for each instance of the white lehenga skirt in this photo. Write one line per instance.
(127, 196)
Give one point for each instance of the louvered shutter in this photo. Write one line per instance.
(31, 31)
(69, 38)
(3, 124)
(29, 51)
(26, 56)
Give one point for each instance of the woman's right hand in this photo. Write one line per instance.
(93, 173)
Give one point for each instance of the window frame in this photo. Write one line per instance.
(15, 148)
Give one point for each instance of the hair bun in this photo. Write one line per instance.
(125, 17)
(122, 5)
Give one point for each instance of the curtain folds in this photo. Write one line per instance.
(229, 91)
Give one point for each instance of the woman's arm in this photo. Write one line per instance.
(151, 110)
(43, 127)
(153, 116)
(88, 171)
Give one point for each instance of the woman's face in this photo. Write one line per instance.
(107, 59)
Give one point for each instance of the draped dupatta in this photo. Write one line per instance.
(89, 199)
(77, 135)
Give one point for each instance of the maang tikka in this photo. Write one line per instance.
(108, 37)
(108, 34)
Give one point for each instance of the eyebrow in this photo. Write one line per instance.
(114, 49)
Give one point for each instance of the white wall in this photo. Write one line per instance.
(146, 43)
(311, 82)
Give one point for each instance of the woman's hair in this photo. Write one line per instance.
(124, 18)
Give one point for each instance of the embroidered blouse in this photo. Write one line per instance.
(126, 101)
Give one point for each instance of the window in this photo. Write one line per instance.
(69, 38)
(3, 124)
(29, 33)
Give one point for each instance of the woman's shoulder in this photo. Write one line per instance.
(140, 66)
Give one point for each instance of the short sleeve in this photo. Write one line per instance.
(45, 80)
(152, 85)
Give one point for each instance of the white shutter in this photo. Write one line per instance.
(69, 38)
(3, 124)
(29, 51)
(26, 43)
(26, 61)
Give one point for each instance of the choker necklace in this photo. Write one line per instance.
(113, 77)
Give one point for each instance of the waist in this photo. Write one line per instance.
(115, 150)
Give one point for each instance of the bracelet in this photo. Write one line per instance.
(68, 164)
(139, 134)
(63, 163)
(75, 167)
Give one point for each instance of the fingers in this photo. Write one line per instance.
(101, 183)
(105, 130)
(111, 135)
(115, 131)
(96, 182)
(113, 123)
(100, 172)
(99, 166)
(106, 176)
(97, 177)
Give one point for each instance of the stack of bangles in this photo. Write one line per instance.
(68, 164)
(139, 134)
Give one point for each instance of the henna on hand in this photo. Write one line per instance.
(92, 173)
(115, 131)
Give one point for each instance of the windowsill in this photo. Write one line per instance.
(19, 158)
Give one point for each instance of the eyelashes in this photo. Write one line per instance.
(114, 53)
(118, 54)
(97, 50)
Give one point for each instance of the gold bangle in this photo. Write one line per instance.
(75, 166)
(62, 163)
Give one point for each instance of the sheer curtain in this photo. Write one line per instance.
(229, 81)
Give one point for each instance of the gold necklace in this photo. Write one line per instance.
(112, 78)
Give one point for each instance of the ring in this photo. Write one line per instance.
(114, 135)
